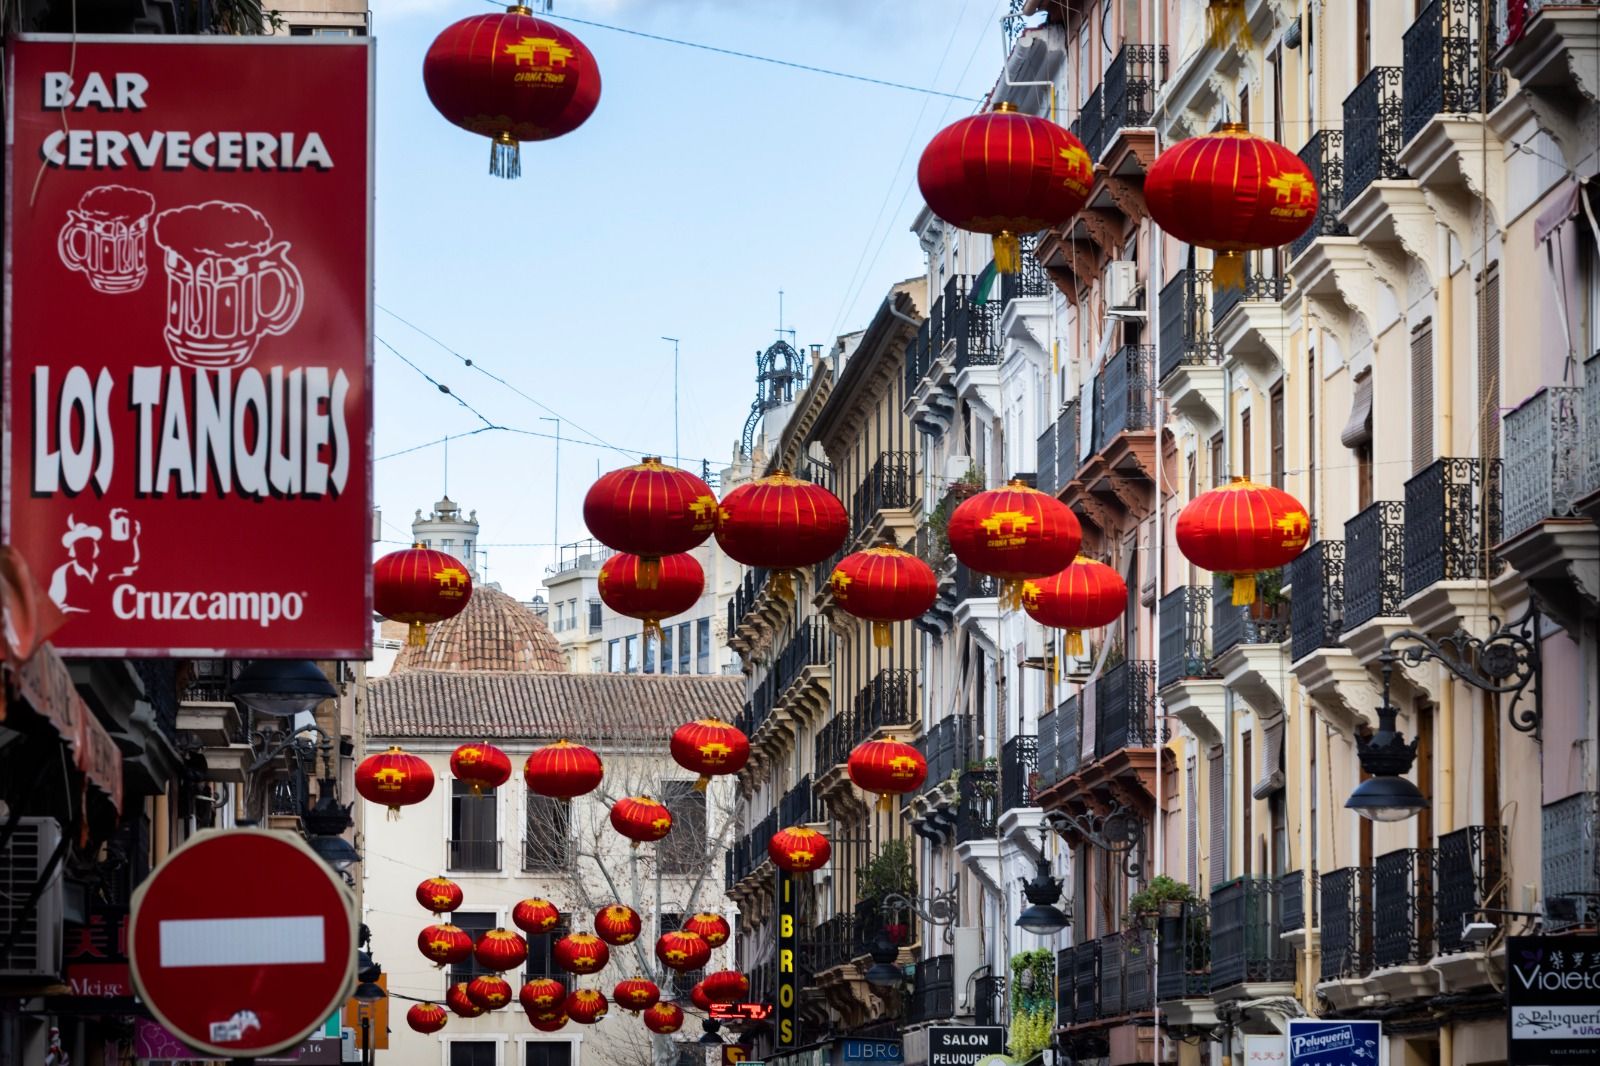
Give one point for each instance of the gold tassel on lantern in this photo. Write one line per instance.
(1074, 642)
(1226, 24)
(505, 156)
(1227, 271)
(417, 635)
(882, 635)
(652, 630)
(649, 572)
(1007, 253)
(1011, 595)
(1244, 589)
(885, 802)
(781, 585)
(702, 782)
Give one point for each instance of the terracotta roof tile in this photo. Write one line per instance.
(495, 632)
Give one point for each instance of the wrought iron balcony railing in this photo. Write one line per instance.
(1086, 982)
(933, 990)
(1125, 708)
(971, 585)
(1259, 284)
(1452, 523)
(1245, 927)
(1591, 424)
(1031, 281)
(1570, 858)
(1324, 155)
(920, 357)
(1184, 616)
(1127, 394)
(1130, 85)
(1089, 126)
(971, 324)
(1258, 623)
(821, 572)
(1469, 863)
(1185, 952)
(1292, 901)
(810, 646)
(1045, 461)
(1544, 458)
(886, 700)
(1373, 131)
(1448, 69)
(1019, 757)
(1402, 909)
(1066, 993)
(834, 942)
(798, 804)
(1316, 611)
(1346, 922)
(835, 740)
(1069, 736)
(1047, 770)
(988, 995)
(977, 793)
(947, 747)
(1374, 560)
(1067, 458)
(891, 484)
(1126, 973)
(1185, 337)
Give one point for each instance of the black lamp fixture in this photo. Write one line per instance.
(336, 851)
(325, 822)
(367, 973)
(281, 688)
(885, 971)
(1042, 917)
(712, 1027)
(1386, 796)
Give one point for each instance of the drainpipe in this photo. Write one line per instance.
(1445, 801)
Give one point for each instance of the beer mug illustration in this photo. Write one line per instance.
(105, 238)
(229, 283)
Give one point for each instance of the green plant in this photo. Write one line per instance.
(1032, 1002)
(1269, 587)
(1161, 889)
(887, 873)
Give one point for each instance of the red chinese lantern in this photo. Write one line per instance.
(1016, 534)
(549, 1023)
(726, 986)
(394, 778)
(1005, 173)
(887, 767)
(1233, 192)
(698, 996)
(664, 1018)
(641, 819)
(650, 510)
(489, 991)
(420, 586)
(782, 523)
(542, 995)
(682, 950)
(617, 924)
(535, 916)
(462, 1003)
(586, 1006)
(500, 950)
(1242, 529)
(426, 1018)
(883, 585)
(445, 944)
(798, 849)
(439, 895)
(675, 585)
(1086, 595)
(511, 77)
(636, 994)
(562, 770)
(483, 766)
(713, 927)
(710, 746)
(581, 953)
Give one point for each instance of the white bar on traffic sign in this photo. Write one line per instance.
(241, 941)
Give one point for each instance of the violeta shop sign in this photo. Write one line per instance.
(187, 456)
(1552, 1000)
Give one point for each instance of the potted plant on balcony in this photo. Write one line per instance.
(888, 873)
(1270, 600)
(1032, 1003)
(1163, 897)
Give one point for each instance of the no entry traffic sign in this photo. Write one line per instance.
(242, 942)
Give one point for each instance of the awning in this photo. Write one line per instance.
(1563, 205)
(1271, 779)
(1358, 430)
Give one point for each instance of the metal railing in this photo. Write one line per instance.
(580, 555)
(1346, 922)
(810, 646)
(1257, 623)
(1292, 901)
(1452, 523)
(987, 996)
(160, 678)
(1257, 286)
(1184, 620)
(1086, 981)
(1316, 611)
(971, 585)
(1469, 863)
(1591, 425)
(1185, 952)
(1402, 908)
(1544, 458)
(1066, 995)
(1245, 941)
(1019, 757)
(1032, 280)
(480, 855)
(1323, 154)
(1373, 131)
(290, 793)
(946, 747)
(798, 805)
(933, 989)
(835, 740)
(1185, 337)
(1069, 736)
(834, 942)
(1089, 126)
(1127, 394)
(1067, 458)
(1446, 63)
(1570, 857)
(973, 326)
(920, 357)
(891, 484)
(1044, 464)
(1126, 973)
(1374, 559)
(977, 793)
(1125, 709)
(884, 701)
(1130, 85)
(1047, 765)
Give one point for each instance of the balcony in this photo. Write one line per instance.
(1190, 358)
(750, 626)
(1032, 282)
(988, 1000)
(472, 856)
(977, 805)
(1086, 982)
(1570, 861)
(1246, 649)
(885, 702)
(798, 806)
(1044, 478)
(1452, 523)
(801, 671)
(1047, 767)
(1125, 709)
(946, 746)
(1402, 923)
(933, 990)
(1117, 479)
(1249, 322)
(834, 942)
(1553, 547)
(1374, 553)
(1190, 689)
(977, 604)
(1323, 154)
(1446, 69)
(884, 505)
(1127, 974)
(930, 396)
(1254, 625)
(1019, 758)
(1374, 132)
(1090, 122)
(1346, 933)
(1469, 865)
(1185, 962)
(204, 710)
(1127, 399)
(1551, 52)
(1129, 94)
(1248, 954)
(970, 330)
(1295, 919)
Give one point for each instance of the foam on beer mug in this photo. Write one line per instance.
(105, 203)
(213, 229)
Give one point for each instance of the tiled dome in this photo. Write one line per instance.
(495, 632)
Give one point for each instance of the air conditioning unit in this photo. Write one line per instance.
(967, 947)
(1122, 287)
(35, 932)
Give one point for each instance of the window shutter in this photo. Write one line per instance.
(1489, 367)
(1217, 838)
(1270, 779)
(1192, 820)
(1422, 396)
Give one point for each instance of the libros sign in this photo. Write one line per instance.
(187, 455)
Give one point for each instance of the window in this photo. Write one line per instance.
(684, 849)
(702, 634)
(474, 835)
(474, 924)
(1276, 60)
(684, 650)
(1363, 455)
(1194, 474)
(1244, 107)
(1311, 426)
(667, 657)
(649, 643)
(1246, 776)
(1218, 460)
(1422, 396)
(1489, 365)
(541, 962)
(547, 1053)
(614, 656)
(1309, 50)
(594, 616)
(547, 839)
(631, 661)
(1277, 430)
(1363, 38)
(1244, 444)
(472, 1052)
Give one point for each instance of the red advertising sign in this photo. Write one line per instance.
(187, 456)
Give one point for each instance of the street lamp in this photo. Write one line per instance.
(1042, 917)
(711, 1027)
(336, 851)
(884, 971)
(281, 688)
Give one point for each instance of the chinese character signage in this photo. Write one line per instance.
(1552, 1000)
(1313, 1043)
(187, 462)
(788, 975)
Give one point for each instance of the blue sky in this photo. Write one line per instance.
(702, 185)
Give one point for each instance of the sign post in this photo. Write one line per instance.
(1552, 1000)
(235, 963)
